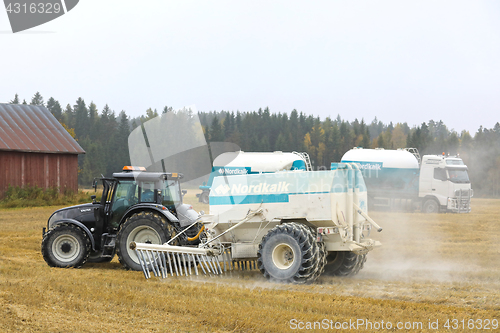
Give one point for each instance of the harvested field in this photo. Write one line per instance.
(430, 268)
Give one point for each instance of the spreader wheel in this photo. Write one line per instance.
(344, 263)
(287, 254)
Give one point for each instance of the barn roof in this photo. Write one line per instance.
(32, 128)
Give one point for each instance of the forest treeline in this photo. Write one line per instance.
(103, 134)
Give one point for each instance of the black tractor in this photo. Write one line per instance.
(136, 206)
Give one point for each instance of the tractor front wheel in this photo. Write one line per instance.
(142, 227)
(65, 245)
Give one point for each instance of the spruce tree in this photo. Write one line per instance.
(37, 99)
(15, 100)
(55, 108)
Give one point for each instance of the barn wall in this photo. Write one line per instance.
(43, 170)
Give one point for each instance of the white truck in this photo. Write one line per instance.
(291, 225)
(400, 180)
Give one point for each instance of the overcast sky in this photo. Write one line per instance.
(397, 60)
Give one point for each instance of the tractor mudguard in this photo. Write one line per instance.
(80, 225)
(157, 208)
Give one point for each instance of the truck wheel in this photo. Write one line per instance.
(344, 263)
(286, 254)
(204, 197)
(65, 245)
(141, 227)
(430, 207)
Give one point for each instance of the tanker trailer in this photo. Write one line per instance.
(399, 180)
(293, 226)
(243, 163)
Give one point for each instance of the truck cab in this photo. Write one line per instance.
(446, 181)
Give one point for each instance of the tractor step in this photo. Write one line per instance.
(108, 245)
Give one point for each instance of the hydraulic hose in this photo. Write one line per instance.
(190, 239)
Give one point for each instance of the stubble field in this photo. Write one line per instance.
(430, 269)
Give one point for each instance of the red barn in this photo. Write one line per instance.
(35, 149)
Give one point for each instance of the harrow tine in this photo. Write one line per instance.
(201, 264)
(205, 260)
(180, 263)
(145, 262)
(142, 266)
(185, 266)
(211, 265)
(214, 265)
(170, 264)
(154, 263)
(164, 257)
(151, 263)
(194, 264)
(160, 273)
(188, 263)
(216, 260)
(175, 264)
(163, 263)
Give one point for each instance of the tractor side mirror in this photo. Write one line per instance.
(93, 199)
(184, 192)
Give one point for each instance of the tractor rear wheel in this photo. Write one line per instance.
(65, 245)
(144, 227)
(288, 253)
(344, 263)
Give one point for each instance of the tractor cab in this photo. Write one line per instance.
(135, 205)
(134, 186)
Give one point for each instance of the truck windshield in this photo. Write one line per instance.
(458, 176)
(454, 162)
(171, 193)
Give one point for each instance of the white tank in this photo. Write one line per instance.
(258, 162)
(399, 159)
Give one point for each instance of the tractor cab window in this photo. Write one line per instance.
(147, 192)
(171, 194)
(125, 196)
